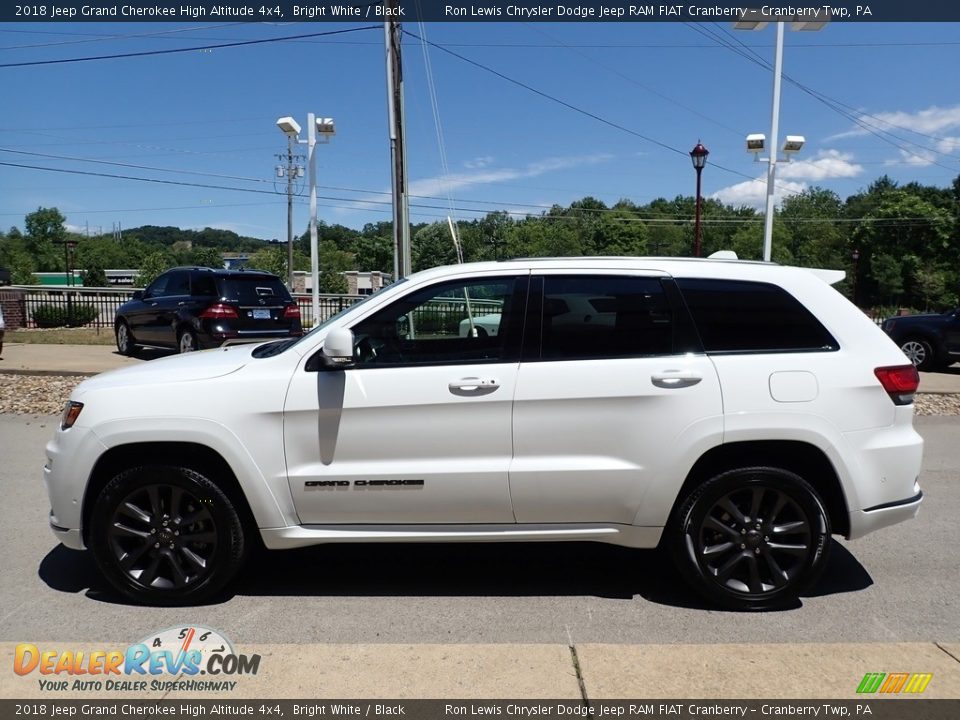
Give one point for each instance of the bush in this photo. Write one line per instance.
(51, 316)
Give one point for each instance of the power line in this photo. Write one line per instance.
(132, 36)
(170, 51)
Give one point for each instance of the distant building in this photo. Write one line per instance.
(235, 261)
(359, 282)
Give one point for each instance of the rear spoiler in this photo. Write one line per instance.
(830, 277)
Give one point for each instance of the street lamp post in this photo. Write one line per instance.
(753, 19)
(699, 158)
(326, 129)
(855, 256)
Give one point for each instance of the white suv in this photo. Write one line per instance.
(736, 413)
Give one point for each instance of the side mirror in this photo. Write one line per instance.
(337, 352)
(338, 345)
(138, 294)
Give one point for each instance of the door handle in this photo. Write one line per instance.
(675, 379)
(473, 386)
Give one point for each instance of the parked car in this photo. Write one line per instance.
(194, 308)
(737, 414)
(930, 341)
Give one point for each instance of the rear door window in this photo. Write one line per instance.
(600, 317)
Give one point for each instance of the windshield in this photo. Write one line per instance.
(279, 346)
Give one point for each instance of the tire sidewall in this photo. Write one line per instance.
(227, 557)
(129, 349)
(929, 361)
(699, 503)
(193, 340)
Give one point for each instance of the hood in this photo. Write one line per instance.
(189, 367)
(924, 318)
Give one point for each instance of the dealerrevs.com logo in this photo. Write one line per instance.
(203, 657)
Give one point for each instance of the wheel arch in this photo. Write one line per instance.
(806, 460)
(195, 456)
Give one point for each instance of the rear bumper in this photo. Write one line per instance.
(866, 521)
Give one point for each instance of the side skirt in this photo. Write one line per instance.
(305, 535)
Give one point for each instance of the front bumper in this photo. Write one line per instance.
(72, 539)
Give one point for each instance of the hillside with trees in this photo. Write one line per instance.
(899, 244)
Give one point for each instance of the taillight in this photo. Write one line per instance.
(219, 311)
(292, 312)
(900, 382)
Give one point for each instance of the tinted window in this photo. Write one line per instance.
(158, 288)
(736, 316)
(251, 289)
(178, 284)
(604, 317)
(203, 285)
(451, 322)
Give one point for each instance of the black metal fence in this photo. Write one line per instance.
(97, 307)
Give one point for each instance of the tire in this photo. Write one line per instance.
(186, 341)
(125, 340)
(166, 535)
(919, 352)
(736, 512)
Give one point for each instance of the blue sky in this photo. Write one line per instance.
(207, 117)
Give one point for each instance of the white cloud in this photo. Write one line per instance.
(480, 162)
(792, 178)
(753, 193)
(827, 164)
(949, 145)
(932, 120)
(449, 183)
(916, 158)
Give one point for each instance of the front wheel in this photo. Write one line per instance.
(919, 352)
(752, 538)
(166, 535)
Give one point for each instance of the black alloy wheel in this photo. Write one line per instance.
(753, 539)
(166, 535)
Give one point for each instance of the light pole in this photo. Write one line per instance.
(755, 19)
(855, 256)
(326, 129)
(292, 172)
(699, 158)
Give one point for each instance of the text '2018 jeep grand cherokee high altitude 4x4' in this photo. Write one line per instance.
(737, 413)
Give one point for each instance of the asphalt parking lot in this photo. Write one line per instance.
(898, 585)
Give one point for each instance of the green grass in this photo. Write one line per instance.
(62, 336)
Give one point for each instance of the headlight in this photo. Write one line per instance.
(71, 411)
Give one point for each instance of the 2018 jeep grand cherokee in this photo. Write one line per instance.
(737, 413)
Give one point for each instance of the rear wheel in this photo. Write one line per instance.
(166, 535)
(752, 538)
(187, 341)
(919, 352)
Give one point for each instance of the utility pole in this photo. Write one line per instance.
(292, 171)
(398, 152)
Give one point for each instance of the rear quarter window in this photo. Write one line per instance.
(740, 316)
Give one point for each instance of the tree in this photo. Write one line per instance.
(153, 264)
(45, 228)
(270, 259)
(333, 282)
(95, 277)
(206, 257)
